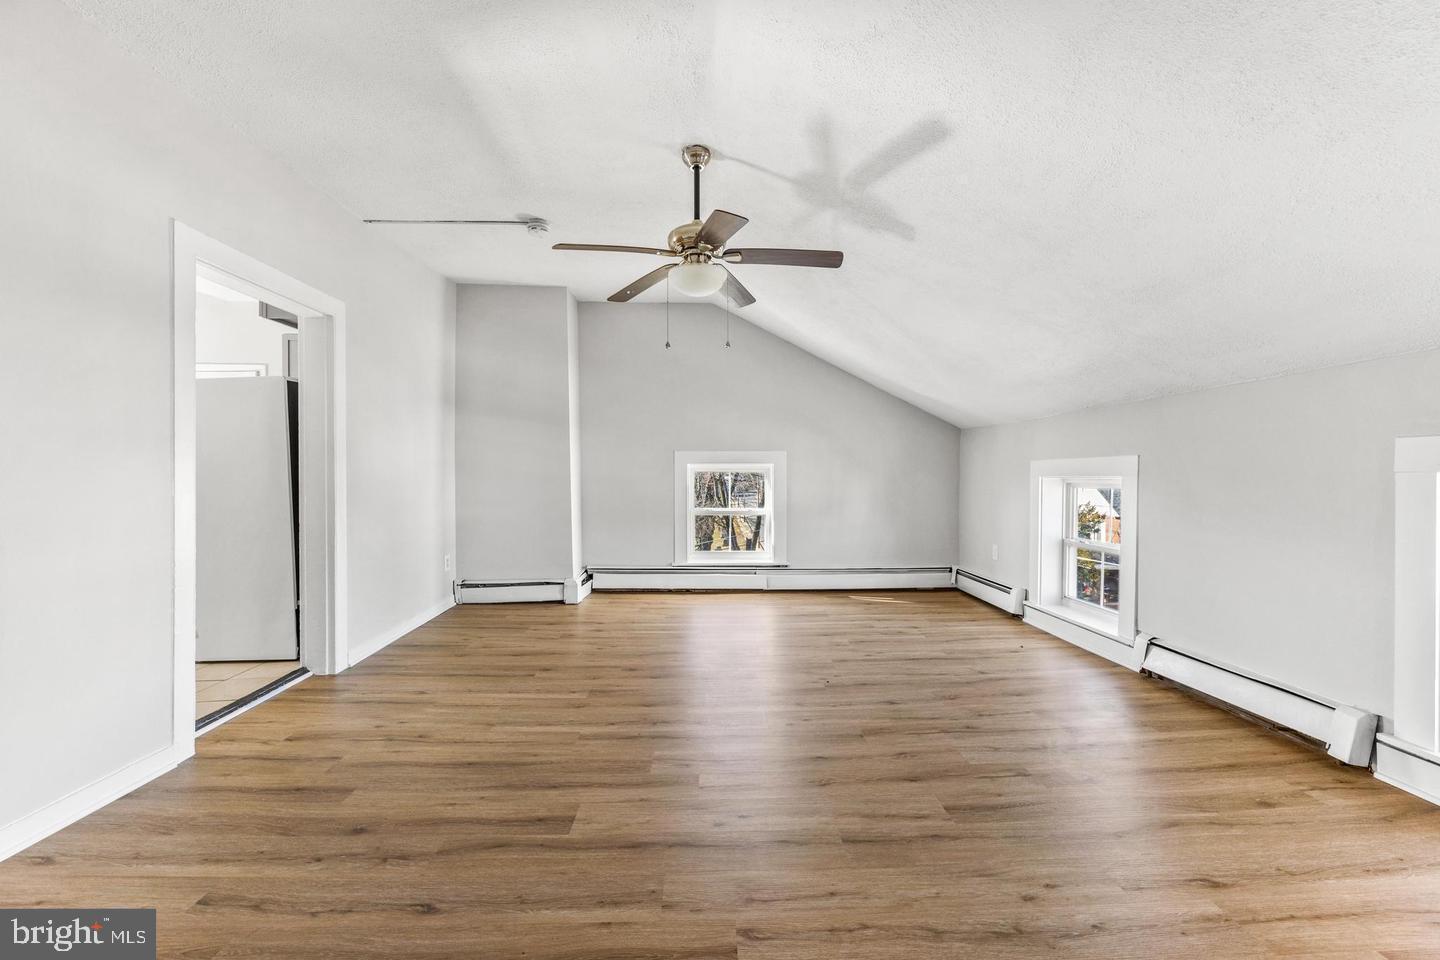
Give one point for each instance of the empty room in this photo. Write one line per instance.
(639, 481)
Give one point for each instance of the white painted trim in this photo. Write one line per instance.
(778, 488)
(1416, 707)
(577, 590)
(359, 651)
(691, 578)
(324, 571)
(1417, 454)
(1073, 632)
(53, 817)
(1047, 479)
(1408, 767)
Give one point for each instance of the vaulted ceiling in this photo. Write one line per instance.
(1044, 206)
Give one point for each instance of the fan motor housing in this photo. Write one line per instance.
(683, 237)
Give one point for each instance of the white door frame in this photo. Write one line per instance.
(323, 575)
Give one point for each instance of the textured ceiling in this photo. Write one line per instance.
(1044, 206)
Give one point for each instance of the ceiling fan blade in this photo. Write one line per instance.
(786, 257)
(736, 291)
(719, 227)
(611, 248)
(641, 285)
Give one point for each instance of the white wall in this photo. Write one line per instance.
(102, 155)
(514, 433)
(871, 479)
(234, 332)
(1265, 509)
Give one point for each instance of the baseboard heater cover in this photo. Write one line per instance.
(1348, 733)
(993, 592)
(770, 578)
(509, 591)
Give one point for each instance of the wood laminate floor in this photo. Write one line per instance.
(763, 776)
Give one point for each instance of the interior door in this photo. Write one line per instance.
(245, 570)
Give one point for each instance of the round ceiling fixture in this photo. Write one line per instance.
(698, 278)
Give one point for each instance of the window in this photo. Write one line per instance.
(1082, 561)
(1092, 542)
(729, 508)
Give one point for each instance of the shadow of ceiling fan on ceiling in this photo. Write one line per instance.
(825, 188)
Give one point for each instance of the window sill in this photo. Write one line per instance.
(1106, 625)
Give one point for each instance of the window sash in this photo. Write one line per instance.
(1072, 507)
(1095, 546)
(1071, 544)
(692, 512)
(730, 511)
(1071, 567)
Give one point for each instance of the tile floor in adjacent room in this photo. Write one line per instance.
(222, 682)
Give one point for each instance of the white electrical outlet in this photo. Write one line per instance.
(994, 552)
(447, 563)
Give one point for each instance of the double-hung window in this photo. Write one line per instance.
(729, 508)
(1092, 542)
(1082, 555)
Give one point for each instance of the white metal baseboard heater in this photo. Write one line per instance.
(993, 592)
(523, 591)
(1348, 733)
(744, 577)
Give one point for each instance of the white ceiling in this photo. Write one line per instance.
(1044, 206)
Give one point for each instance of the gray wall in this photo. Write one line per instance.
(1266, 515)
(871, 479)
(513, 433)
(110, 154)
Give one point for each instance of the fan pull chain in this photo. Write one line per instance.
(667, 311)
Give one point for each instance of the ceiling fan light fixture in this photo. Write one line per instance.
(695, 279)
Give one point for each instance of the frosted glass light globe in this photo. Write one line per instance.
(698, 279)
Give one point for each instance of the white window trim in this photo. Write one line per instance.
(771, 460)
(1048, 537)
(1417, 592)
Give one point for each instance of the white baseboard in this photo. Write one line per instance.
(1100, 644)
(1413, 769)
(748, 578)
(360, 651)
(53, 817)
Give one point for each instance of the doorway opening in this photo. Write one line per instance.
(259, 471)
(247, 485)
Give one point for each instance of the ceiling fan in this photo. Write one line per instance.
(702, 251)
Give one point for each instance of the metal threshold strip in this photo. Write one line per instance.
(211, 719)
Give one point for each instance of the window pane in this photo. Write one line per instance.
(1097, 513)
(1087, 576)
(731, 534)
(715, 488)
(1111, 588)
